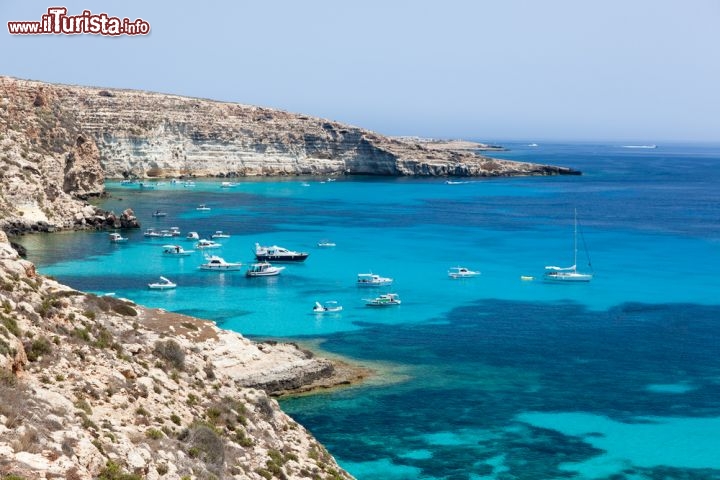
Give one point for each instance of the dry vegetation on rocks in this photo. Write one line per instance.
(98, 387)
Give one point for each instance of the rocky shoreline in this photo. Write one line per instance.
(58, 143)
(91, 386)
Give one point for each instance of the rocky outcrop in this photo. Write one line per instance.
(141, 134)
(48, 166)
(97, 387)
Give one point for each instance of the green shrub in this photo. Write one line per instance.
(154, 433)
(39, 347)
(11, 324)
(170, 351)
(113, 471)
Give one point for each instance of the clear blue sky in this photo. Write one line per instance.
(640, 70)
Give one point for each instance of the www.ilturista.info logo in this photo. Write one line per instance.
(57, 21)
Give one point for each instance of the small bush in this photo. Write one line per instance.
(39, 347)
(154, 434)
(206, 444)
(170, 351)
(114, 471)
(11, 325)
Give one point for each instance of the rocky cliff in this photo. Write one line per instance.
(98, 387)
(151, 134)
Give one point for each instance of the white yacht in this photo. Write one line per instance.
(384, 300)
(372, 280)
(218, 263)
(263, 269)
(327, 307)
(204, 243)
(163, 284)
(176, 251)
(462, 272)
(568, 274)
(220, 234)
(117, 238)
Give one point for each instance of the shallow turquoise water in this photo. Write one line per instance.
(504, 378)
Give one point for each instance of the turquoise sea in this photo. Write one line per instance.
(492, 377)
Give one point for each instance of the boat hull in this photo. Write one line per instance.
(568, 277)
(264, 257)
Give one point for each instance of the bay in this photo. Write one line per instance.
(489, 377)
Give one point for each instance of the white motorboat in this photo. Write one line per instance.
(166, 233)
(372, 280)
(152, 233)
(192, 236)
(462, 272)
(228, 185)
(117, 238)
(220, 234)
(326, 244)
(327, 307)
(385, 300)
(263, 269)
(202, 207)
(204, 243)
(218, 263)
(163, 284)
(568, 274)
(159, 213)
(176, 251)
(175, 231)
(278, 254)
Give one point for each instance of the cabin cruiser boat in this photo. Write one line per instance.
(278, 254)
(176, 251)
(218, 263)
(117, 238)
(263, 269)
(462, 272)
(152, 233)
(220, 234)
(326, 244)
(203, 243)
(327, 307)
(228, 185)
(372, 280)
(163, 284)
(202, 207)
(384, 300)
(192, 236)
(175, 231)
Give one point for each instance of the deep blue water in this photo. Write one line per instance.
(490, 377)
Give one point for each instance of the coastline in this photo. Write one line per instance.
(96, 384)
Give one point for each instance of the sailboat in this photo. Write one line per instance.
(567, 274)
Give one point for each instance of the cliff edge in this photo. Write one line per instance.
(142, 134)
(95, 387)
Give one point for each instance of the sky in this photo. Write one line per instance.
(526, 70)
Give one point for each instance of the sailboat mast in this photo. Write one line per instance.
(575, 244)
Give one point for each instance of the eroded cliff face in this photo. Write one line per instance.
(97, 387)
(141, 134)
(48, 165)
